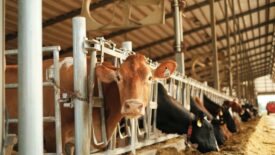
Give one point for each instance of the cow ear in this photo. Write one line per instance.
(106, 73)
(165, 69)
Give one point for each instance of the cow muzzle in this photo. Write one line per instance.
(133, 108)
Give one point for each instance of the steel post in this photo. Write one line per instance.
(228, 48)
(214, 46)
(179, 55)
(57, 115)
(2, 58)
(82, 130)
(93, 61)
(30, 77)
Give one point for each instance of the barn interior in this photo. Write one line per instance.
(227, 44)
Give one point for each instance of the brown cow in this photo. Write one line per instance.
(126, 92)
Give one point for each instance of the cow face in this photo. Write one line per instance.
(204, 136)
(134, 78)
(230, 123)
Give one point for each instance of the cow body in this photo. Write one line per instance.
(220, 135)
(171, 118)
(134, 75)
(222, 113)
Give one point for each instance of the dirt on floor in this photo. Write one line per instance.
(256, 138)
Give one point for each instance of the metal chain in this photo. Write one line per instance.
(72, 94)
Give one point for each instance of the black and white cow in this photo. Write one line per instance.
(172, 118)
(220, 112)
(197, 105)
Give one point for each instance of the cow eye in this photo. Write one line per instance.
(150, 78)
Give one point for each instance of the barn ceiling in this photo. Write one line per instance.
(254, 31)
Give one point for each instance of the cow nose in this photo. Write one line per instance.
(133, 107)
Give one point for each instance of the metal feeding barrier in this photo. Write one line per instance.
(180, 87)
(52, 74)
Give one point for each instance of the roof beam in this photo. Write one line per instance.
(254, 66)
(224, 48)
(63, 17)
(219, 39)
(167, 16)
(205, 27)
(187, 9)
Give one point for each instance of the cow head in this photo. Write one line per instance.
(134, 78)
(228, 119)
(203, 135)
(234, 105)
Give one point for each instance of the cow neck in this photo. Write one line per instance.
(112, 107)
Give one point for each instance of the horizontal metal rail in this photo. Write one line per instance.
(44, 50)
(45, 119)
(100, 44)
(138, 145)
(15, 85)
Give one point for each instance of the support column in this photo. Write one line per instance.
(228, 48)
(81, 111)
(179, 55)
(2, 57)
(236, 49)
(30, 77)
(214, 46)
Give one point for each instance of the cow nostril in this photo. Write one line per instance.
(127, 106)
(140, 107)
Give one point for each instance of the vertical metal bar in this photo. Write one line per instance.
(30, 77)
(228, 47)
(133, 135)
(82, 130)
(58, 131)
(93, 61)
(236, 48)
(2, 72)
(179, 55)
(214, 46)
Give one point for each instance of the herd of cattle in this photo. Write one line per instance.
(125, 91)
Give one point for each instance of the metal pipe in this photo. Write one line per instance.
(30, 78)
(46, 49)
(82, 130)
(57, 114)
(228, 48)
(236, 49)
(2, 72)
(179, 55)
(214, 46)
(93, 61)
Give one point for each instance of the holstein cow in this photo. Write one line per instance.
(172, 118)
(243, 111)
(218, 124)
(125, 91)
(221, 113)
(237, 111)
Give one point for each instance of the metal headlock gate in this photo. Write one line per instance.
(51, 74)
(180, 87)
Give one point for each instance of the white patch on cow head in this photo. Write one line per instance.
(66, 62)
